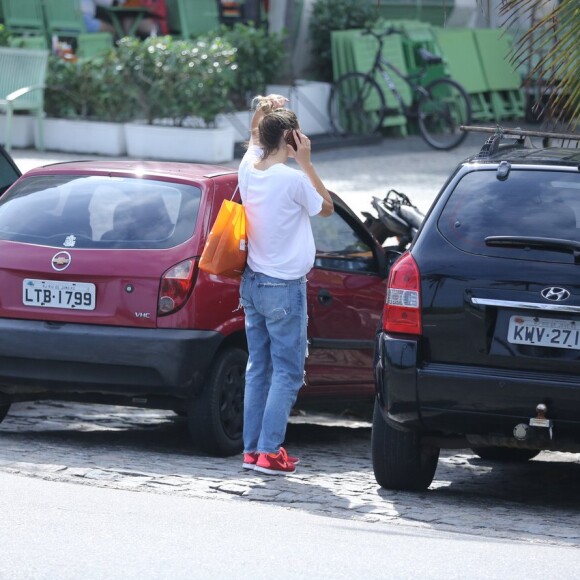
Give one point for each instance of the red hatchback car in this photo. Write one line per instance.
(102, 301)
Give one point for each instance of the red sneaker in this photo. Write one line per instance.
(274, 464)
(289, 458)
(250, 460)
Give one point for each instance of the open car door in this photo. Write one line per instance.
(346, 294)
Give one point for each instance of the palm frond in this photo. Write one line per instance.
(549, 49)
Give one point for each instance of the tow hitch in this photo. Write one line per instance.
(536, 426)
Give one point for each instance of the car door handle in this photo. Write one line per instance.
(324, 297)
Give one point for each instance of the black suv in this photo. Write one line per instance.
(480, 340)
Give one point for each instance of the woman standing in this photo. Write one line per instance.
(278, 201)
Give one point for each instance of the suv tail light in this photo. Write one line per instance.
(176, 286)
(402, 312)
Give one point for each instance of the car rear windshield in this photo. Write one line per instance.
(99, 212)
(529, 203)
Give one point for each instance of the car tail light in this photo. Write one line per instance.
(402, 312)
(176, 286)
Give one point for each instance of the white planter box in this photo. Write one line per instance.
(22, 130)
(239, 121)
(309, 100)
(78, 136)
(215, 145)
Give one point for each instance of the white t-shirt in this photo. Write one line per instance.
(278, 203)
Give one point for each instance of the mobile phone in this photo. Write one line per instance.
(290, 140)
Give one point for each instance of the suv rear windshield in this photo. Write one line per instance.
(529, 203)
(99, 212)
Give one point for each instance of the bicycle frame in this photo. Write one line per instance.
(381, 65)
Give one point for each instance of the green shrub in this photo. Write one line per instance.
(259, 60)
(176, 80)
(329, 15)
(159, 79)
(4, 35)
(87, 89)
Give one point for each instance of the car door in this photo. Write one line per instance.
(9, 173)
(346, 292)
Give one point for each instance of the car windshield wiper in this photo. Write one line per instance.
(555, 244)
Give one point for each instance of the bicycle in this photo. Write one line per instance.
(357, 102)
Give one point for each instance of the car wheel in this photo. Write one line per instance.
(400, 459)
(216, 416)
(4, 411)
(507, 454)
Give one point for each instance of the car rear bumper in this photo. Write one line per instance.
(462, 400)
(38, 359)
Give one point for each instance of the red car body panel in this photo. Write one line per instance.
(341, 329)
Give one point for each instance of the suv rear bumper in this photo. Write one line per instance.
(39, 358)
(461, 400)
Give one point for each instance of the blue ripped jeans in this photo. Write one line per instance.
(275, 313)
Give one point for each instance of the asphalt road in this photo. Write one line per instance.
(59, 530)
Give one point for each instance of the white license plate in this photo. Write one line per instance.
(544, 332)
(57, 294)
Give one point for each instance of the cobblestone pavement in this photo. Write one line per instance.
(149, 451)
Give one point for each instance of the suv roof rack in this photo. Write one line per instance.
(522, 137)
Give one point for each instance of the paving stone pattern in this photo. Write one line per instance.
(149, 451)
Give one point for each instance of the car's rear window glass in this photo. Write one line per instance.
(529, 203)
(99, 212)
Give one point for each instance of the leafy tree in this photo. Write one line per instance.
(329, 15)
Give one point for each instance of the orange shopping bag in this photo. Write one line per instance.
(226, 249)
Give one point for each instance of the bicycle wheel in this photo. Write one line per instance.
(356, 105)
(441, 111)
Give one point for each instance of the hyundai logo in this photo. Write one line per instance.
(61, 261)
(555, 294)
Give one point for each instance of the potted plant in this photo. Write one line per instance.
(259, 60)
(178, 88)
(86, 107)
(309, 100)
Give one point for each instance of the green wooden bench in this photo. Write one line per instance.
(24, 17)
(22, 87)
(64, 19)
(191, 18)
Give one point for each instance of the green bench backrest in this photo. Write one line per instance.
(63, 16)
(23, 68)
(190, 18)
(494, 52)
(23, 16)
(462, 58)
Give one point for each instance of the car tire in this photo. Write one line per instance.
(215, 417)
(4, 411)
(400, 460)
(506, 454)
